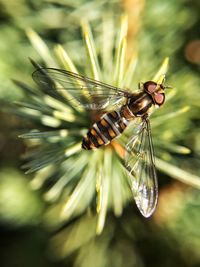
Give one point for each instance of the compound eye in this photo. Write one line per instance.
(159, 98)
(150, 86)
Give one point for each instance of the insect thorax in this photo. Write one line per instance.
(140, 104)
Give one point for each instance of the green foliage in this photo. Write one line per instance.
(67, 177)
(16, 198)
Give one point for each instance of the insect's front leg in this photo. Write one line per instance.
(141, 85)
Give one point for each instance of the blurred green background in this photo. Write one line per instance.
(172, 236)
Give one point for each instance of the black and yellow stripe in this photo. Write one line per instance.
(105, 130)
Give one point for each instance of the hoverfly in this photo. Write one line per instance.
(95, 95)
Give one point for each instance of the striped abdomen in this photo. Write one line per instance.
(111, 125)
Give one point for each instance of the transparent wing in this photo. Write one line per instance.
(140, 164)
(89, 93)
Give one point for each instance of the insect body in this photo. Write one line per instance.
(112, 124)
(95, 95)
